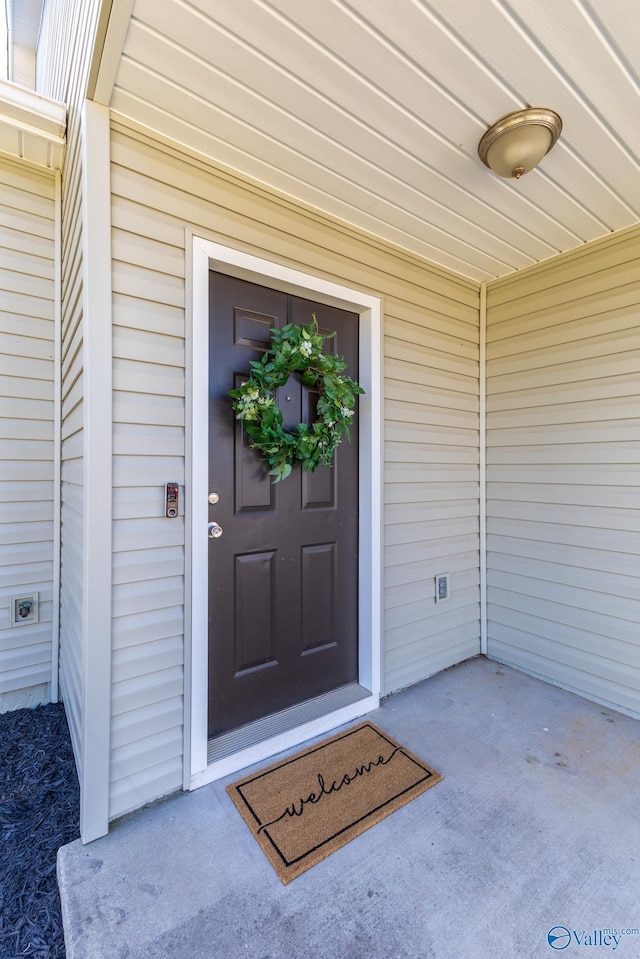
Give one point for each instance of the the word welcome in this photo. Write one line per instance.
(297, 807)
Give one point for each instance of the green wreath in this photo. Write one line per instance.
(296, 349)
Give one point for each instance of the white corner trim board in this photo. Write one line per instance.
(483, 470)
(203, 255)
(57, 445)
(97, 366)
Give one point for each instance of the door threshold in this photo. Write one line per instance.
(263, 739)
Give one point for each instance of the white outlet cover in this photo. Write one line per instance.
(443, 587)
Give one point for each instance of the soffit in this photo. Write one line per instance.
(32, 127)
(24, 26)
(372, 110)
(25, 22)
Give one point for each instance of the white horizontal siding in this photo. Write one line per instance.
(563, 385)
(27, 412)
(148, 447)
(431, 349)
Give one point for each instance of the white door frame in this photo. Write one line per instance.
(203, 255)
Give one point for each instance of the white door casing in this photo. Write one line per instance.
(203, 255)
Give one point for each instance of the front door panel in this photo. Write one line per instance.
(283, 577)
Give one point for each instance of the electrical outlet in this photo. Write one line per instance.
(24, 609)
(443, 590)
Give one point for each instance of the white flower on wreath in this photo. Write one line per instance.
(347, 412)
(249, 412)
(306, 348)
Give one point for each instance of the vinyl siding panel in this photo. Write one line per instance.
(27, 417)
(64, 48)
(431, 384)
(563, 515)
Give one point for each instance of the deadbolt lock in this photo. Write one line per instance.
(213, 498)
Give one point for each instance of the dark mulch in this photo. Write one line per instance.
(39, 812)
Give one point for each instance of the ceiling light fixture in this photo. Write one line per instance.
(515, 145)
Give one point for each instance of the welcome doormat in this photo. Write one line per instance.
(305, 807)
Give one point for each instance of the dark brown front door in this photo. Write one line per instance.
(283, 576)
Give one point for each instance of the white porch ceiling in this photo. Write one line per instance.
(371, 110)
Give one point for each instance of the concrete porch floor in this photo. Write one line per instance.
(536, 825)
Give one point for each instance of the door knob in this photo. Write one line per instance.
(215, 530)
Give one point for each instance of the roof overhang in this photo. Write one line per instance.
(32, 127)
(113, 22)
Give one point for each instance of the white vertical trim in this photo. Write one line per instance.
(196, 505)
(97, 378)
(205, 255)
(483, 469)
(57, 439)
(370, 376)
